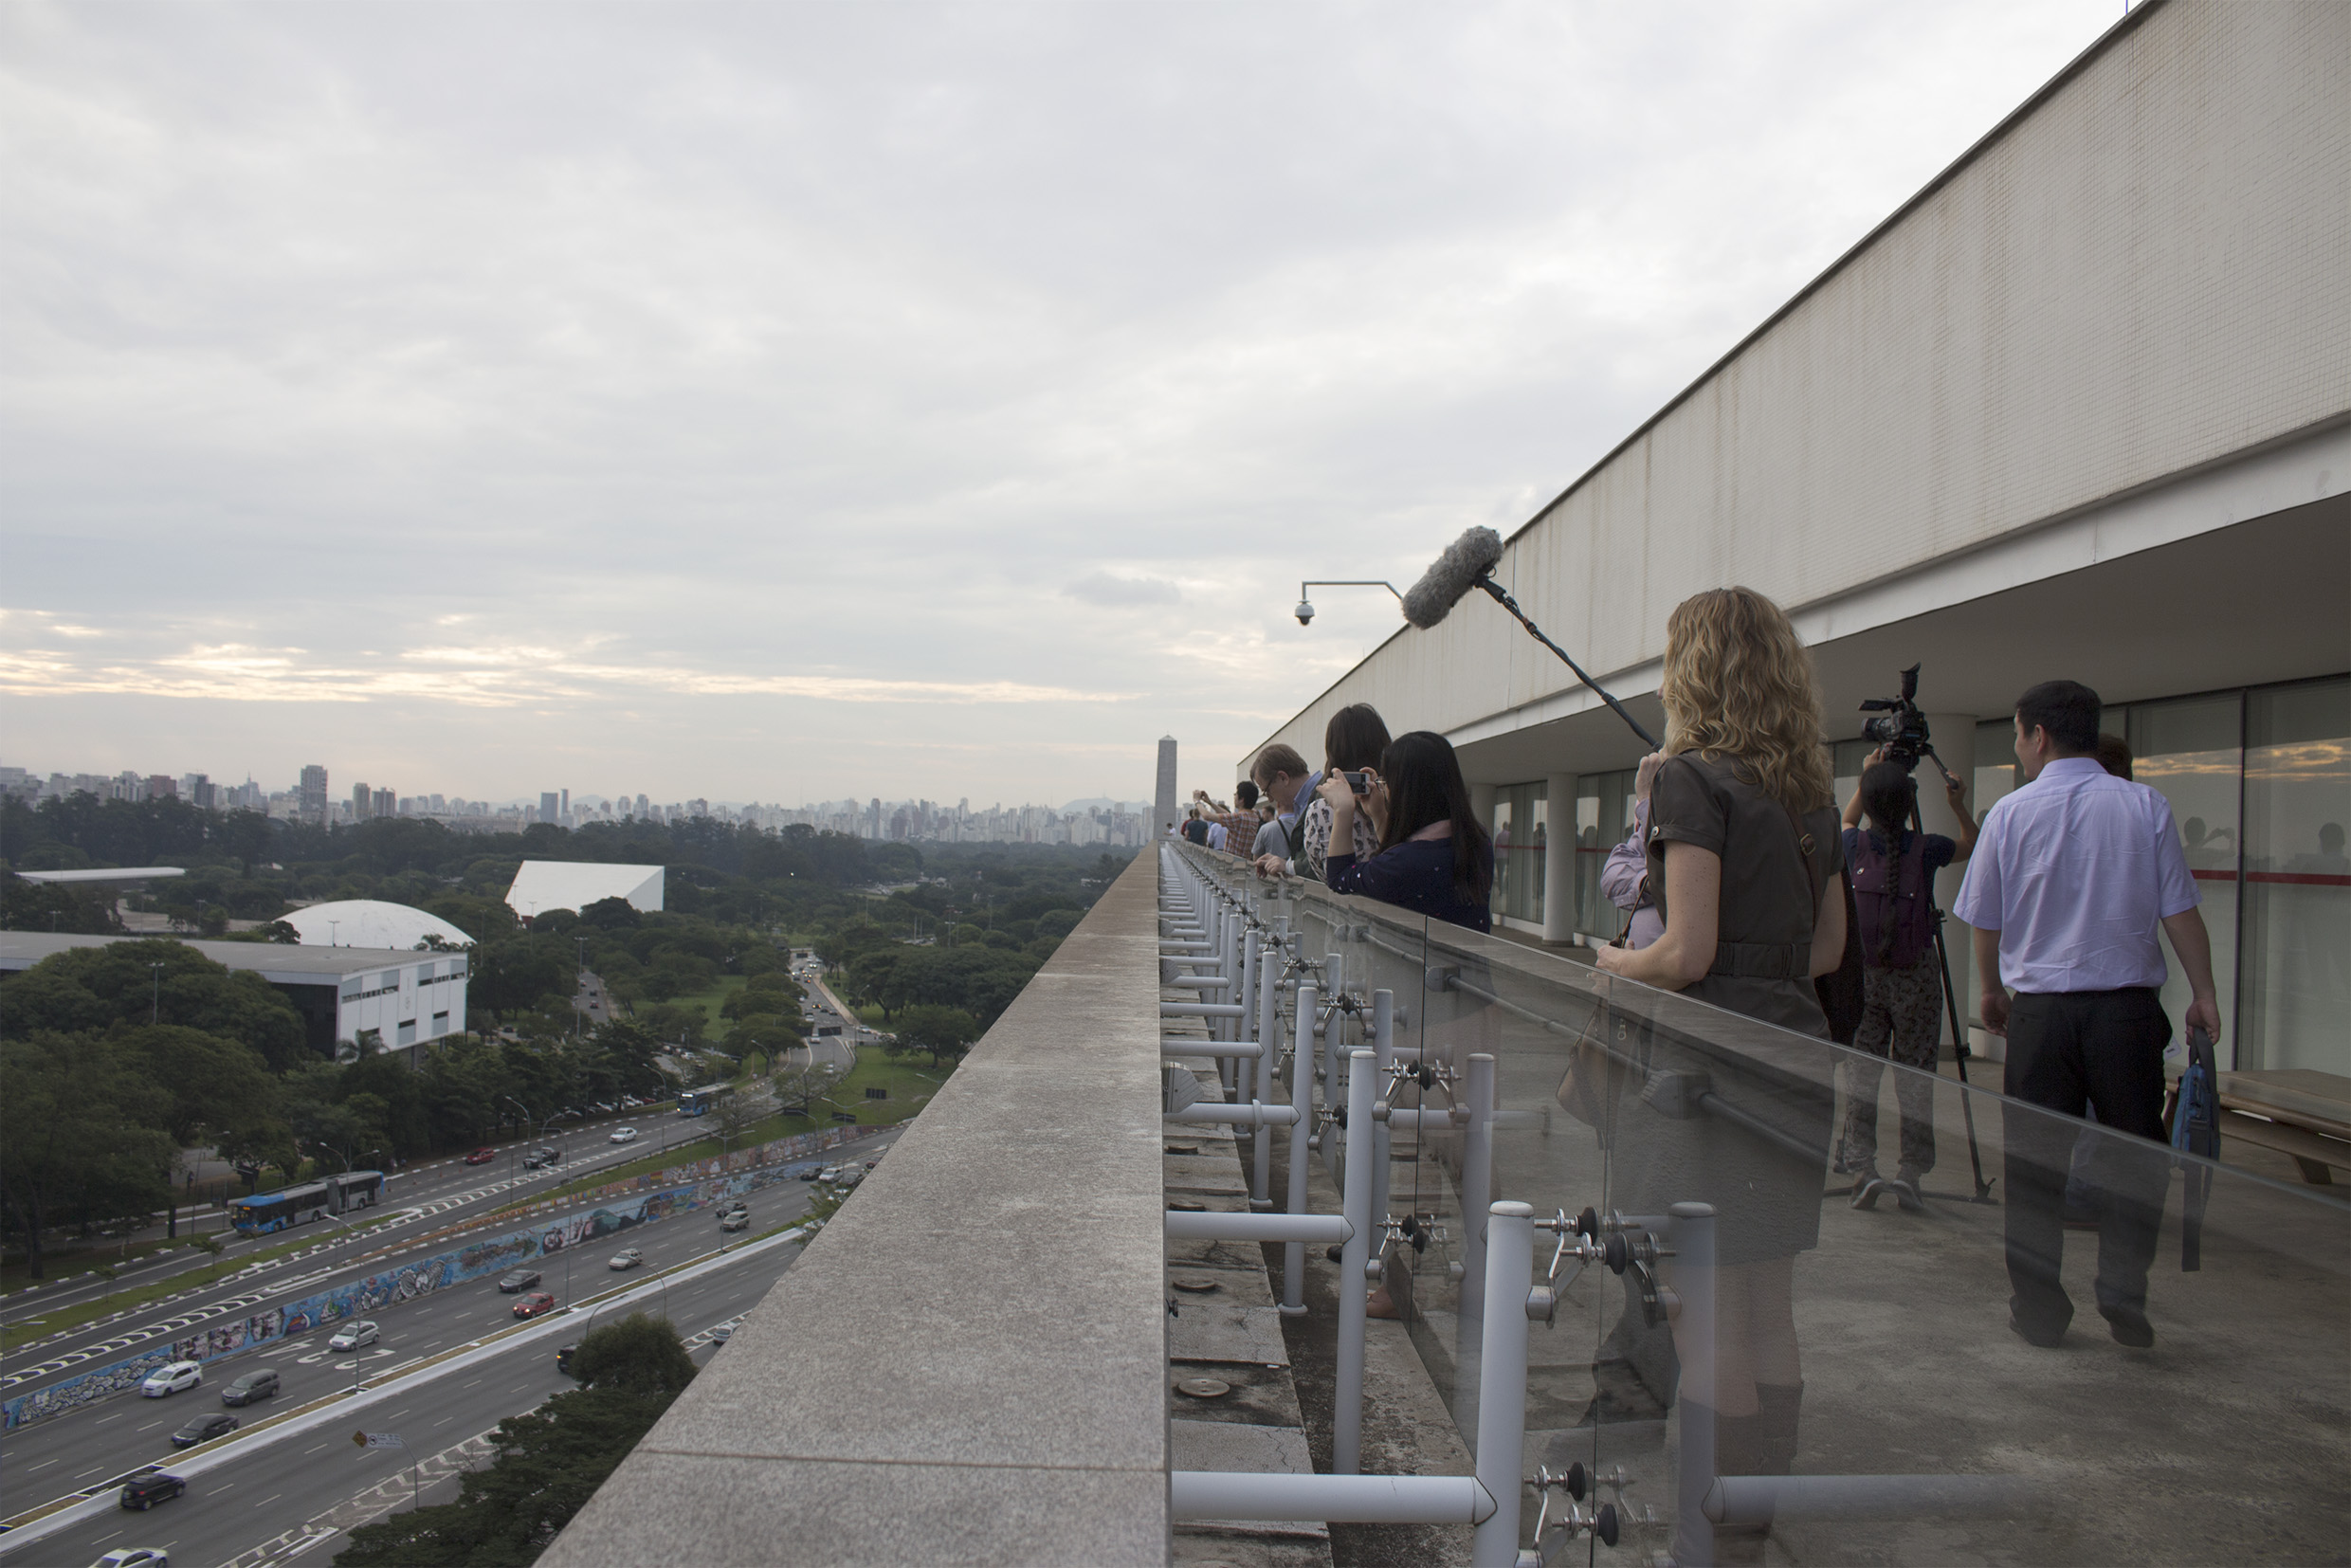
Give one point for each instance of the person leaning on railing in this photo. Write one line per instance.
(1743, 860)
(1354, 741)
(1280, 776)
(1434, 857)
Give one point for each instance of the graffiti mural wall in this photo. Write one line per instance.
(374, 1293)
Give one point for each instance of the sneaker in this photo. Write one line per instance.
(1867, 1190)
(1906, 1189)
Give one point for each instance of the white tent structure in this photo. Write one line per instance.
(370, 922)
(544, 884)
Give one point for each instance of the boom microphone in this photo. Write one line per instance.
(1467, 563)
(1455, 573)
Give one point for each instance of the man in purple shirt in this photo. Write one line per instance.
(2071, 877)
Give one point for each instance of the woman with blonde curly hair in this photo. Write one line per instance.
(1743, 856)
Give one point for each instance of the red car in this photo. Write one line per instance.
(535, 1304)
(480, 1157)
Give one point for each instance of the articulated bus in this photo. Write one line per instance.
(698, 1101)
(337, 1195)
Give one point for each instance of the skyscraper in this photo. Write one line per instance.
(360, 798)
(1164, 804)
(311, 794)
(549, 806)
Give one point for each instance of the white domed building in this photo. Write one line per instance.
(372, 922)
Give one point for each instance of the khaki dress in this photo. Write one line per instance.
(1757, 1149)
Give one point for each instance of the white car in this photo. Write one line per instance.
(136, 1556)
(623, 1135)
(171, 1380)
(351, 1336)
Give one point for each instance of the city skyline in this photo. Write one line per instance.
(752, 406)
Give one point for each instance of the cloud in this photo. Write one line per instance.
(1101, 588)
(723, 394)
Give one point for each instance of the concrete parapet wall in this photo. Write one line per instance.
(967, 1365)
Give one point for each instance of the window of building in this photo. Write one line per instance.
(2191, 749)
(2295, 960)
(407, 1032)
(440, 1025)
(1521, 823)
(1603, 817)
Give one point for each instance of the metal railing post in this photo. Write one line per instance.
(1477, 1195)
(1501, 1383)
(1694, 1407)
(1302, 1099)
(1263, 969)
(1383, 1053)
(1355, 1204)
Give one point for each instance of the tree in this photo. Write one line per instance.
(944, 1031)
(799, 1086)
(80, 1131)
(163, 980)
(547, 1463)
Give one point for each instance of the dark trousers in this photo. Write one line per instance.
(2068, 1050)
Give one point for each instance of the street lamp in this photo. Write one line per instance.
(1305, 610)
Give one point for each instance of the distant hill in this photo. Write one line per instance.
(1141, 808)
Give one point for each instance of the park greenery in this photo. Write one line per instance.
(116, 1059)
(546, 1462)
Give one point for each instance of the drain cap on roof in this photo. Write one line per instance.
(1196, 1284)
(1204, 1388)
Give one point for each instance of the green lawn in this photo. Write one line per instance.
(710, 999)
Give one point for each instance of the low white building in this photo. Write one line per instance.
(372, 922)
(544, 884)
(408, 998)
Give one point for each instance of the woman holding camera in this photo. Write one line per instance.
(1743, 860)
(1434, 856)
(1353, 741)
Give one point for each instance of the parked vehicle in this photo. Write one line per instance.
(519, 1279)
(352, 1336)
(534, 1304)
(628, 1257)
(171, 1380)
(261, 1383)
(203, 1430)
(480, 1157)
(144, 1491)
(623, 1135)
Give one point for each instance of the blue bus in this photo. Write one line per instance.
(698, 1101)
(335, 1195)
(254, 1216)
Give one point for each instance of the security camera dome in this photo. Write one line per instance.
(1305, 613)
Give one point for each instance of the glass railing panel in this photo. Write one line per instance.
(1875, 1343)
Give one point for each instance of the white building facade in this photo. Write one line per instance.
(2080, 409)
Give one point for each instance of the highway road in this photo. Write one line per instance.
(266, 1492)
(73, 1450)
(446, 1185)
(436, 1194)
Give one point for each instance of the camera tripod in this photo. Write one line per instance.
(1950, 997)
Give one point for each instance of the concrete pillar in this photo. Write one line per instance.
(1559, 858)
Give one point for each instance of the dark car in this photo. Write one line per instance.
(534, 1160)
(203, 1430)
(806, 1172)
(262, 1384)
(480, 1157)
(563, 1359)
(521, 1279)
(145, 1491)
(534, 1304)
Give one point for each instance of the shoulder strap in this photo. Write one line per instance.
(1805, 844)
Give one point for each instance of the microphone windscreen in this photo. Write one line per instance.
(1455, 573)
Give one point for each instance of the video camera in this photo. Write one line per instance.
(1903, 731)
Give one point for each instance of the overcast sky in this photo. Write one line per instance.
(787, 402)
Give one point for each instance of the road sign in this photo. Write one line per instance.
(377, 1440)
